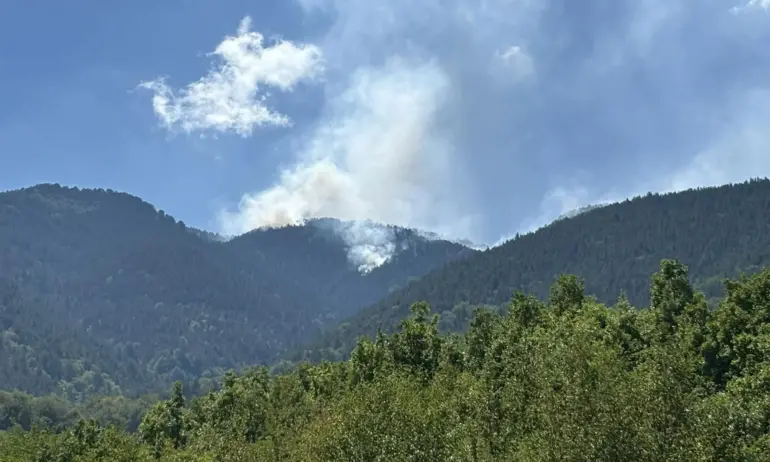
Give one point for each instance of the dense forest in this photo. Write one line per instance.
(568, 378)
(718, 232)
(102, 294)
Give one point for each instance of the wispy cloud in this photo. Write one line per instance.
(232, 97)
(752, 4)
(513, 64)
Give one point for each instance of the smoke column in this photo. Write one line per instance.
(378, 156)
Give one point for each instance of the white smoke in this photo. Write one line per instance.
(370, 244)
(377, 157)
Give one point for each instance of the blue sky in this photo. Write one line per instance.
(473, 118)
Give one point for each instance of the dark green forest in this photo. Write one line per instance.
(718, 232)
(100, 293)
(568, 378)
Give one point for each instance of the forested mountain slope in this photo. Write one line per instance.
(100, 291)
(717, 232)
(313, 258)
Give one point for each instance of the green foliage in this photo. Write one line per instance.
(418, 345)
(55, 413)
(741, 329)
(567, 295)
(570, 379)
(166, 422)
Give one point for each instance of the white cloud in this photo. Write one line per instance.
(231, 97)
(379, 156)
(513, 64)
(765, 4)
(749, 5)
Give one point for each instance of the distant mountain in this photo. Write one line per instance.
(100, 292)
(718, 232)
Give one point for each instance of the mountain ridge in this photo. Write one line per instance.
(130, 299)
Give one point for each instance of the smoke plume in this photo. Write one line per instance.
(378, 156)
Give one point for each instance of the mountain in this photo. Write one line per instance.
(316, 259)
(101, 293)
(718, 232)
